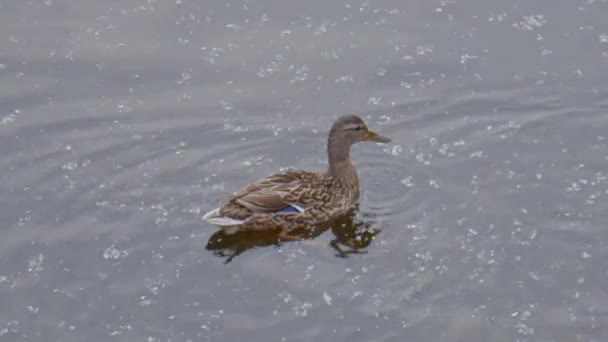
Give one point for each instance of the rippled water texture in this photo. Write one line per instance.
(122, 122)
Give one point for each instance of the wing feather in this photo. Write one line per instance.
(275, 192)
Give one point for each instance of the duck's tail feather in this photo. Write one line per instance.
(214, 217)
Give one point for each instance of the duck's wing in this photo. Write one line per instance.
(288, 190)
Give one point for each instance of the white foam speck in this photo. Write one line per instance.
(476, 154)
(35, 264)
(464, 58)
(530, 23)
(374, 101)
(585, 255)
(7, 119)
(343, 79)
(302, 310)
(433, 184)
(407, 182)
(396, 150)
(112, 253)
(70, 166)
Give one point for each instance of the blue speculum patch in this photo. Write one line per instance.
(288, 209)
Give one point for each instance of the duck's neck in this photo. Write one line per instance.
(340, 166)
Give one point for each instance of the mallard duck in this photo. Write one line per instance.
(291, 199)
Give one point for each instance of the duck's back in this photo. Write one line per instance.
(276, 192)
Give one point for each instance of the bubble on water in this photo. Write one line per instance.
(530, 23)
(420, 157)
(226, 105)
(523, 329)
(26, 218)
(111, 253)
(69, 166)
(302, 310)
(32, 309)
(35, 264)
(11, 327)
(374, 101)
(407, 181)
(603, 38)
(321, 29)
(301, 74)
(466, 57)
(476, 154)
(121, 330)
(184, 98)
(124, 107)
(327, 298)
(217, 187)
(498, 17)
(7, 119)
(424, 49)
(444, 150)
(406, 85)
(574, 187)
(425, 257)
(343, 79)
(185, 77)
(383, 120)
(271, 67)
(396, 150)
(433, 184)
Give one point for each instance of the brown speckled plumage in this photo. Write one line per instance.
(317, 196)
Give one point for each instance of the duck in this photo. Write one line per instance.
(293, 198)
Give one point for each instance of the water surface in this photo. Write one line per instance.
(122, 122)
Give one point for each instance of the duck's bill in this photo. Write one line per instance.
(373, 136)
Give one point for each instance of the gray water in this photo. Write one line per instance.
(122, 122)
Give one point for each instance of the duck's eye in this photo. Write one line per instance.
(358, 128)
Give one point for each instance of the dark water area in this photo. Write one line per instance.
(485, 218)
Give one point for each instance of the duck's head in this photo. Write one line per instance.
(351, 129)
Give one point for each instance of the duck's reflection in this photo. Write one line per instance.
(351, 235)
